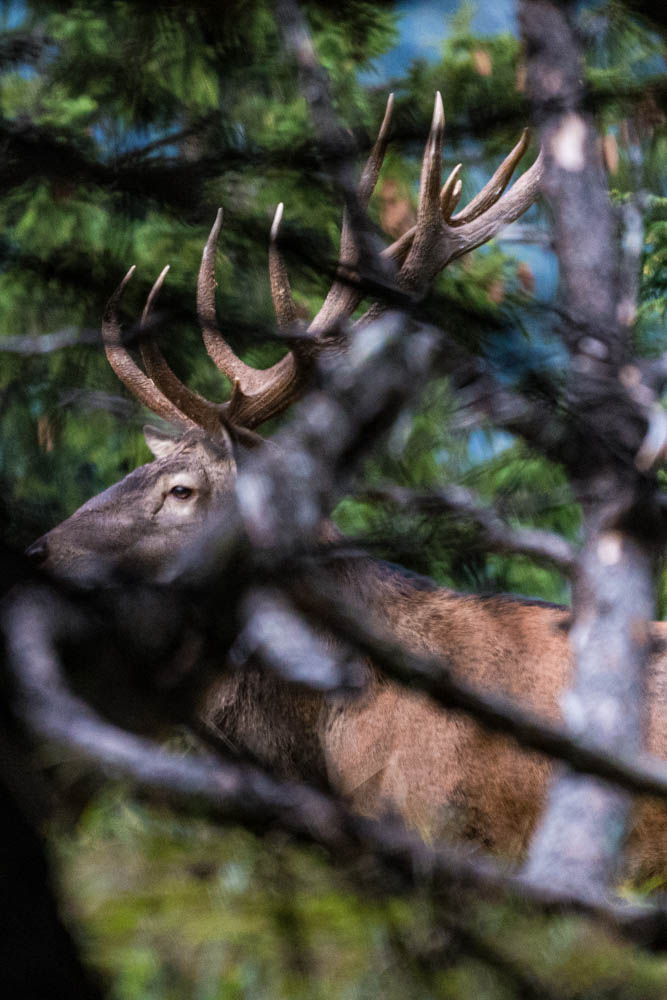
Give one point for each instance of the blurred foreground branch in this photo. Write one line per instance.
(239, 793)
(497, 534)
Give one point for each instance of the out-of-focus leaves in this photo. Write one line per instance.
(177, 909)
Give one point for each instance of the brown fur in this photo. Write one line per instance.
(389, 749)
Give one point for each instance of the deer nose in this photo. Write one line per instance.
(38, 551)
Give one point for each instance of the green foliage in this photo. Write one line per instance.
(478, 81)
(424, 452)
(116, 79)
(652, 310)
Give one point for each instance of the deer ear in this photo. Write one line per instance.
(160, 444)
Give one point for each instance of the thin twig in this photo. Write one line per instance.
(497, 534)
(634, 772)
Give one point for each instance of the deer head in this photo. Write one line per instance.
(139, 524)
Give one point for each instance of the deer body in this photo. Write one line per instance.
(387, 749)
(383, 746)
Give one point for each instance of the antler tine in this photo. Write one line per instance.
(203, 412)
(451, 192)
(414, 274)
(153, 294)
(429, 246)
(219, 351)
(421, 253)
(142, 387)
(344, 297)
(371, 171)
(281, 293)
(431, 172)
(369, 178)
(495, 186)
(250, 380)
(467, 236)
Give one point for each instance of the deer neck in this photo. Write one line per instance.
(256, 713)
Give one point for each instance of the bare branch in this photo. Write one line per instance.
(47, 343)
(529, 986)
(574, 183)
(498, 535)
(360, 248)
(232, 792)
(632, 771)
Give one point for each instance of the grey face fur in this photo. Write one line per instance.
(144, 525)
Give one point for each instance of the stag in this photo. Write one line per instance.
(383, 747)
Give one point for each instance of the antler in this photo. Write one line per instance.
(141, 385)
(345, 294)
(438, 238)
(257, 394)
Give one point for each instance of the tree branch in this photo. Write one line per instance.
(232, 792)
(47, 343)
(497, 534)
(632, 771)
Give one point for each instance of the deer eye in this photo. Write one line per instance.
(181, 492)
